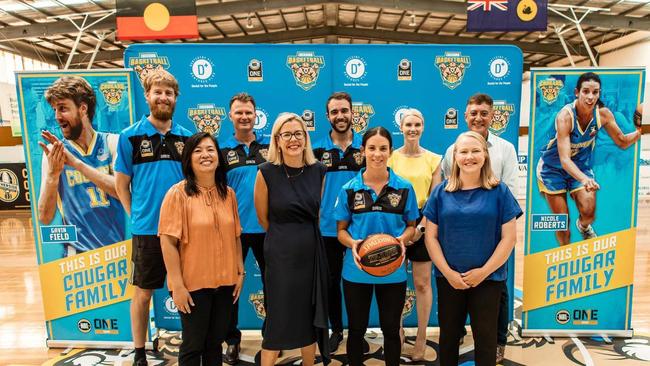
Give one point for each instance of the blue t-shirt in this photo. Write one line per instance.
(153, 161)
(241, 163)
(368, 213)
(469, 224)
(341, 167)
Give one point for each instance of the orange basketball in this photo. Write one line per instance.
(381, 254)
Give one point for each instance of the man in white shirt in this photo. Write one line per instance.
(503, 158)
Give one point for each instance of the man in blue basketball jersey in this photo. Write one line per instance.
(340, 152)
(241, 154)
(565, 163)
(148, 163)
(77, 172)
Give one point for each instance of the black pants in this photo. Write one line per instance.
(256, 243)
(502, 327)
(482, 305)
(390, 303)
(335, 253)
(204, 329)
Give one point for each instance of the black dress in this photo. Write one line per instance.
(296, 267)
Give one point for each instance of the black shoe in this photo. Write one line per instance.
(336, 338)
(140, 361)
(232, 354)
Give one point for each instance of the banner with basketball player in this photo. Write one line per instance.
(70, 121)
(582, 200)
(383, 80)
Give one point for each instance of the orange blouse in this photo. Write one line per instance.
(207, 228)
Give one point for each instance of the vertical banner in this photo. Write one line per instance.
(80, 228)
(581, 201)
(383, 81)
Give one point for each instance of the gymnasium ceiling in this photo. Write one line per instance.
(44, 29)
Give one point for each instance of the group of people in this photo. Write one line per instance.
(197, 207)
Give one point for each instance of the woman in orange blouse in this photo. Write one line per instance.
(199, 233)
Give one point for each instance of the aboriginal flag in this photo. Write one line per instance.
(156, 19)
(507, 15)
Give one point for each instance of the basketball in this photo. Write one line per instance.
(381, 255)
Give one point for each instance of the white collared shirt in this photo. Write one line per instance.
(502, 157)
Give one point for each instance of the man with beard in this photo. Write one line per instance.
(148, 164)
(340, 152)
(76, 172)
(241, 154)
(503, 160)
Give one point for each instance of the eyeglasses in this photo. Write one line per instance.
(286, 136)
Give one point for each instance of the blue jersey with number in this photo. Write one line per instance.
(98, 217)
(582, 141)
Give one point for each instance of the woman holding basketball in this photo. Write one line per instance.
(469, 235)
(375, 201)
(421, 168)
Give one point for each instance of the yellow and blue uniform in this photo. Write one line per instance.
(341, 167)
(97, 216)
(551, 177)
(241, 163)
(153, 161)
(368, 213)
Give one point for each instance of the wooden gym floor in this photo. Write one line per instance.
(22, 328)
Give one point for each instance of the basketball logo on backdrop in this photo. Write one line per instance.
(355, 71)
(207, 118)
(404, 70)
(202, 72)
(550, 89)
(305, 67)
(170, 306)
(112, 92)
(146, 62)
(394, 199)
(84, 326)
(452, 66)
(451, 118)
(361, 114)
(310, 121)
(398, 113)
(257, 300)
(255, 71)
(409, 304)
(261, 119)
(9, 187)
(499, 70)
(502, 113)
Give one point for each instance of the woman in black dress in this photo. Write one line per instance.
(287, 199)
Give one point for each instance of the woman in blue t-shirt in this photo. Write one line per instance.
(375, 201)
(470, 234)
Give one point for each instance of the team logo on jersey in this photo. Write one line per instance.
(305, 67)
(309, 117)
(405, 70)
(255, 70)
(502, 113)
(9, 187)
(326, 159)
(452, 66)
(358, 157)
(145, 148)
(112, 92)
(232, 157)
(102, 154)
(147, 62)
(394, 199)
(593, 131)
(257, 300)
(361, 114)
(550, 89)
(207, 117)
(264, 153)
(409, 303)
(359, 201)
(179, 145)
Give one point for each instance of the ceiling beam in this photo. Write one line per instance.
(246, 6)
(348, 32)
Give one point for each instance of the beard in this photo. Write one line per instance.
(339, 130)
(162, 114)
(74, 129)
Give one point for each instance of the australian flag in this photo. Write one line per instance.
(506, 15)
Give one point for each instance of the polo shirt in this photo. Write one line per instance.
(153, 161)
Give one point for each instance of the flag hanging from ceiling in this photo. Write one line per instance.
(156, 19)
(506, 15)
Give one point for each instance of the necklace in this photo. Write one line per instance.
(295, 175)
